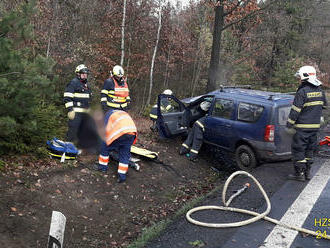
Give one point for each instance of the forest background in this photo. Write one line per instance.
(190, 50)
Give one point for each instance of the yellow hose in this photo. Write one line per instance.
(258, 216)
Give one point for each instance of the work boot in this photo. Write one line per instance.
(307, 172)
(298, 175)
(121, 178)
(183, 150)
(100, 167)
(192, 157)
(153, 128)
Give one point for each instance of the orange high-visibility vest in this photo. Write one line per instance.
(121, 91)
(119, 123)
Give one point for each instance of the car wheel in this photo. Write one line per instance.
(245, 158)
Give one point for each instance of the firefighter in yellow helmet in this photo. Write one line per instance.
(115, 92)
(304, 121)
(77, 98)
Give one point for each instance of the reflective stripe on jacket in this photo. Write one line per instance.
(118, 123)
(77, 96)
(115, 95)
(306, 110)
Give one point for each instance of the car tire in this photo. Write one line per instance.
(245, 158)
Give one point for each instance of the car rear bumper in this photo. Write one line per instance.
(266, 151)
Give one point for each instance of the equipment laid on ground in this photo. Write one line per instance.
(144, 152)
(62, 150)
(325, 152)
(257, 216)
(325, 141)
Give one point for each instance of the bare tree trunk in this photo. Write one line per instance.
(129, 56)
(215, 54)
(168, 61)
(200, 54)
(154, 55)
(48, 47)
(123, 35)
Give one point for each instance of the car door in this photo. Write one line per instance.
(219, 124)
(172, 116)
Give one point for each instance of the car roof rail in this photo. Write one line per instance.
(222, 87)
(290, 93)
(271, 97)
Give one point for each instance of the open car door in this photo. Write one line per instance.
(172, 116)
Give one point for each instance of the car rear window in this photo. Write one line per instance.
(283, 114)
(249, 112)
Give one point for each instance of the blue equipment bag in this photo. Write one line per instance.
(61, 150)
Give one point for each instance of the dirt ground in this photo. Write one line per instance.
(99, 211)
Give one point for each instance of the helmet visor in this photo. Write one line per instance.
(84, 71)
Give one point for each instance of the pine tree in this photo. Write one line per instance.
(27, 116)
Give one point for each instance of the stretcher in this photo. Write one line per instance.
(144, 152)
(133, 161)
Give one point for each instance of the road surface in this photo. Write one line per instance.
(302, 204)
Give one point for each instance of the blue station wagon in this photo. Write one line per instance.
(248, 123)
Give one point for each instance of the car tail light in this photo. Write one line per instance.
(269, 133)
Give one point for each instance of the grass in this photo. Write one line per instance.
(155, 230)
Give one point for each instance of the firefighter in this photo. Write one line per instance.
(115, 92)
(77, 98)
(194, 141)
(304, 121)
(165, 106)
(120, 135)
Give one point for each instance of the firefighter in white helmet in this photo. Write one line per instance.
(77, 99)
(115, 92)
(304, 121)
(165, 106)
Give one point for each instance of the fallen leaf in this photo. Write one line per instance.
(13, 209)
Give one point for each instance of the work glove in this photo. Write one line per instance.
(121, 177)
(290, 131)
(322, 122)
(71, 115)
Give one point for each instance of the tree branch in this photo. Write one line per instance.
(10, 73)
(252, 14)
(234, 8)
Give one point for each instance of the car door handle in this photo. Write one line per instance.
(227, 125)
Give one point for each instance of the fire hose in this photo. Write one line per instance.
(257, 216)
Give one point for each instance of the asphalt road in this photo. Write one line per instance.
(303, 204)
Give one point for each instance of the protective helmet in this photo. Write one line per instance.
(308, 73)
(81, 69)
(205, 105)
(118, 71)
(168, 92)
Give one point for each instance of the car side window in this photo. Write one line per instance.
(223, 108)
(249, 112)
